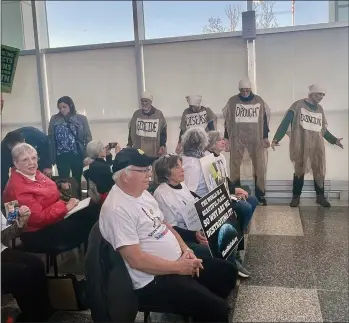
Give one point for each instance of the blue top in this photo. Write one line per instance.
(65, 134)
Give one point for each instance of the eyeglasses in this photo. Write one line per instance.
(27, 161)
(144, 170)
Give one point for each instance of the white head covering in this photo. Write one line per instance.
(147, 95)
(245, 84)
(194, 99)
(315, 88)
(93, 148)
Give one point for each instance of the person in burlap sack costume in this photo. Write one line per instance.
(196, 115)
(308, 128)
(148, 128)
(246, 129)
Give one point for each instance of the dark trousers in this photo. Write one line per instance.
(202, 298)
(23, 275)
(298, 183)
(71, 231)
(258, 191)
(70, 162)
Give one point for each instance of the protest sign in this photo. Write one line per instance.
(219, 222)
(9, 58)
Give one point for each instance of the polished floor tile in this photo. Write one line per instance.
(278, 261)
(276, 304)
(276, 220)
(334, 306)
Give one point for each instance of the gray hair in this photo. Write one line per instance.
(164, 165)
(22, 149)
(194, 139)
(93, 148)
(213, 137)
(117, 174)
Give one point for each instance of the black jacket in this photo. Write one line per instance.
(33, 137)
(100, 173)
(109, 290)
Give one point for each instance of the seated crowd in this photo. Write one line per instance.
(169, 265)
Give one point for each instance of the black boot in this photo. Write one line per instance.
(260, 195)
(321, 199)
(295, 201)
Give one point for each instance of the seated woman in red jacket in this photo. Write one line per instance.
(47, 226)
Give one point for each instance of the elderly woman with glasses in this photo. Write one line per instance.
(47, 226)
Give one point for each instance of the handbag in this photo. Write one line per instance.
(67, 293)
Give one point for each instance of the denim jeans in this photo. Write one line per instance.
(244, 211)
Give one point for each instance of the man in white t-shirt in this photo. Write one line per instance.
(164, 271)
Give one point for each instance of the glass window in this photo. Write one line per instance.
(184, 18)
(270, 14)
(73, 23)
(343, 13)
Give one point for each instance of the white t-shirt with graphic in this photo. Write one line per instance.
(125, 220)
(175, 204)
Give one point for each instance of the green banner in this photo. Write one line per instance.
(9, 58)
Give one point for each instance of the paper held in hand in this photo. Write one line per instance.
(82, 204)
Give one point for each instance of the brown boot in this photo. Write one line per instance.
(295, 201)
(321, 199)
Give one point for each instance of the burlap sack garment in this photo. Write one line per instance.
(145, 131)
(244, 123)
(307, 149)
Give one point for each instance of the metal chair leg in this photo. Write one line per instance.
(55, 266)
(146, 316)
(47, 263)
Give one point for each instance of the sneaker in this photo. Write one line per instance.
(242, 271)
(295, 201)
(321, 199)
(262, 200)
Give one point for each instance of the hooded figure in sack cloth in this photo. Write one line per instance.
(246, 130)
(196, 116)
(148, 128)
(308, 128)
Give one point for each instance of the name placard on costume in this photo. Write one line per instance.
(147, 127)
(311, 121)
(248, 113)
(196, 120)
(219, 222)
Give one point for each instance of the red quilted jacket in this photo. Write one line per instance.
(41, 196)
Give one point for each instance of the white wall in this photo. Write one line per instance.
(22, 106)
(102, 83)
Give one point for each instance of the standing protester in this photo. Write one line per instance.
(148, 128)
(246, 128)
(33, 137)
(69, 133)
(196, 116)
(307, 150)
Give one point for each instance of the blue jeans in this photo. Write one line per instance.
(244, 211)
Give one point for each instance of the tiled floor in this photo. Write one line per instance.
(299, 264)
